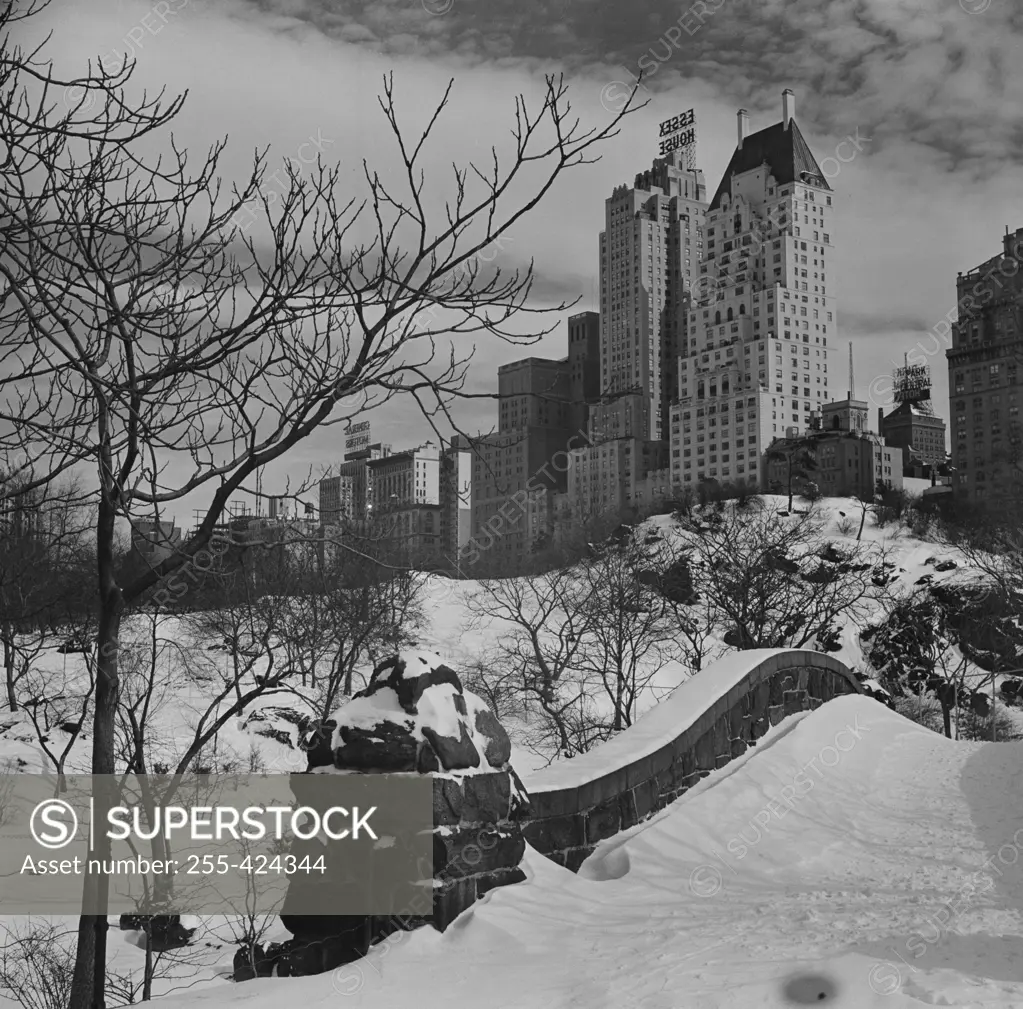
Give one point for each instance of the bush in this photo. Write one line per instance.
(972, 727)
(884, 515)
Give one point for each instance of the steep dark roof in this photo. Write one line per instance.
(784, 151)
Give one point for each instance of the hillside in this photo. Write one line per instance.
(448, 630)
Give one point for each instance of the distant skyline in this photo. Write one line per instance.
(913, 100)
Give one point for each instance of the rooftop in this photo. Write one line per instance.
(780, 147)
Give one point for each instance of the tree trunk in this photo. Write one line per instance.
(90, 956)
(863, 519)
(946, 717)
(147, 978)
(9, 660)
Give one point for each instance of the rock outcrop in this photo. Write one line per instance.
(414, 716)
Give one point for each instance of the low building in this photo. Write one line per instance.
(612, 477)
(346, 491)
(405, 506)
(722, 440)
(846, 464)
(654, 490)
(914, 428)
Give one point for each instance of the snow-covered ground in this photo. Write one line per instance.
(817, 853)
(447, 630)
(850, 854)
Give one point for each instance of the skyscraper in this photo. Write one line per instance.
(983, 378)
(649, 254)
(513, 480)
(756, 364)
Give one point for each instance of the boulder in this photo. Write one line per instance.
(498, 748)
(409, 677)
(387, 746)
(454, 754)
(414, 716)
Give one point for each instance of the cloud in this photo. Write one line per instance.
(930, 84)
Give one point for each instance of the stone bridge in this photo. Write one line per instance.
(708, 721)
(482, 817)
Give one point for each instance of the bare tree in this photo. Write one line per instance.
(993, 547)
(693, 613)
(918, 649)
(869, 501)
(242, 665)
(144, 337)
(539, 626)
(353, 601)
(568, 637)
(37, 968)
(630, 630)
(777, 582)
(58, 706)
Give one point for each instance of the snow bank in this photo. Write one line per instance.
(826, 859)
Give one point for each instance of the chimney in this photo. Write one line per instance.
(788, 106)
(743, 120)
(880, 420)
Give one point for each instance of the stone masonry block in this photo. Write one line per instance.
(792, 701)
(603, 821)
(555, 833)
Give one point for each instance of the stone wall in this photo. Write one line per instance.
(478, 842)
(729, 709)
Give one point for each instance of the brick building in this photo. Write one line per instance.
(983, 379)
(919, 433)
(850, 460)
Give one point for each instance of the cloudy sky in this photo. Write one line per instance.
(931, 89)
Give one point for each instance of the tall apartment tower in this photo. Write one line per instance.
(649, 256)
(983, 378)
(584, 365)
(756, 364)
(513, 481)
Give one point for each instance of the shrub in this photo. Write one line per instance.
(972, 727)
(846, 525)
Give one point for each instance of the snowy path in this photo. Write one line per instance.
(850, 844)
